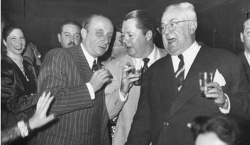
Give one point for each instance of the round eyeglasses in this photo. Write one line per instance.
(172, 25)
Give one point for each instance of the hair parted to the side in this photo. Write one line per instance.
(145, 21)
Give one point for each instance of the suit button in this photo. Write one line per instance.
(166, 123)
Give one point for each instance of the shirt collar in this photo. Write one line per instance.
(152, 57)
(188, 55)
(90, 59)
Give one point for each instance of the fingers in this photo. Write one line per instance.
(50, 118)
(40, 101)
(215, 92)
(47, 104)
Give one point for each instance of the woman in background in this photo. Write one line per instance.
(18, 79)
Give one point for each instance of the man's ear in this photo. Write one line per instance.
(241, 37)
(59, 37)
(192, 27)
(149, 35)
(5, 43)
(83, 33)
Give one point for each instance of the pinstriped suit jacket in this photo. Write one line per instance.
(80, 119)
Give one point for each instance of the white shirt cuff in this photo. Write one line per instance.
(91, 91)
(226, 111)
(123, 98)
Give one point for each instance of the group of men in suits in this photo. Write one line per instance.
(157, 111)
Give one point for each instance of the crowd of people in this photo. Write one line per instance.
(151, 95)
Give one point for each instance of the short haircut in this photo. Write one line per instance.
(145, 21)
(66, 22)
(187, 7)
(226, 128)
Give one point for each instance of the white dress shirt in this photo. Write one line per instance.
(90, 60)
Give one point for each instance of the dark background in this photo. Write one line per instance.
(219, 21)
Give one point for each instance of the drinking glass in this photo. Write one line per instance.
(204, 79)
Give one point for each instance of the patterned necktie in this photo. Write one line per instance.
(179, 74)
(145, 66)
(95, 66)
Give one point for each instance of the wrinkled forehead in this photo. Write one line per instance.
(247, 24)
(101, 23)
(173, 14)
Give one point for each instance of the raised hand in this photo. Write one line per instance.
(40, 118)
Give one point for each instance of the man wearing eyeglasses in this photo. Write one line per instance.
(170, 93)
(75, 78)
(122, 94)
(69, 34)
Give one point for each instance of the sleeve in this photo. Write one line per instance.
(113, 102)
(140, 133)
(54, 76)
(11, 96)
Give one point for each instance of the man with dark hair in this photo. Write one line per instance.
(171, 95)
(138, 31)
(245, 56)
(75, 78)
(69, 34)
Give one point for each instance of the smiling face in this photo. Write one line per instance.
(69, 36)
(97, 37)
(134, 40)
(178, 40)
(15, 42)
(245, 36)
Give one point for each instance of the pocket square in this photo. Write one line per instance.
(218, 78)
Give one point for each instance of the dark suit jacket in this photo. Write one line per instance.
(81, 120)
(16, 92)
(163, 113)
(246, 65)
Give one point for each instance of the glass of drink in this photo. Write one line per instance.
(137, 71)
(204, 79)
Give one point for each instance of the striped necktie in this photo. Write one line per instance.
(179, 74)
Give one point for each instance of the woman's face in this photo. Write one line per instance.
(15, 42)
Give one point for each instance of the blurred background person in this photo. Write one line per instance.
(218, 130)
(245, 56)
(69, 34)
(118, 49)
(18, 79)
(32, 55)
(39, 119)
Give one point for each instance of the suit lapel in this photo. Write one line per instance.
(168, 77)
(190, 88)
(82, 63)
